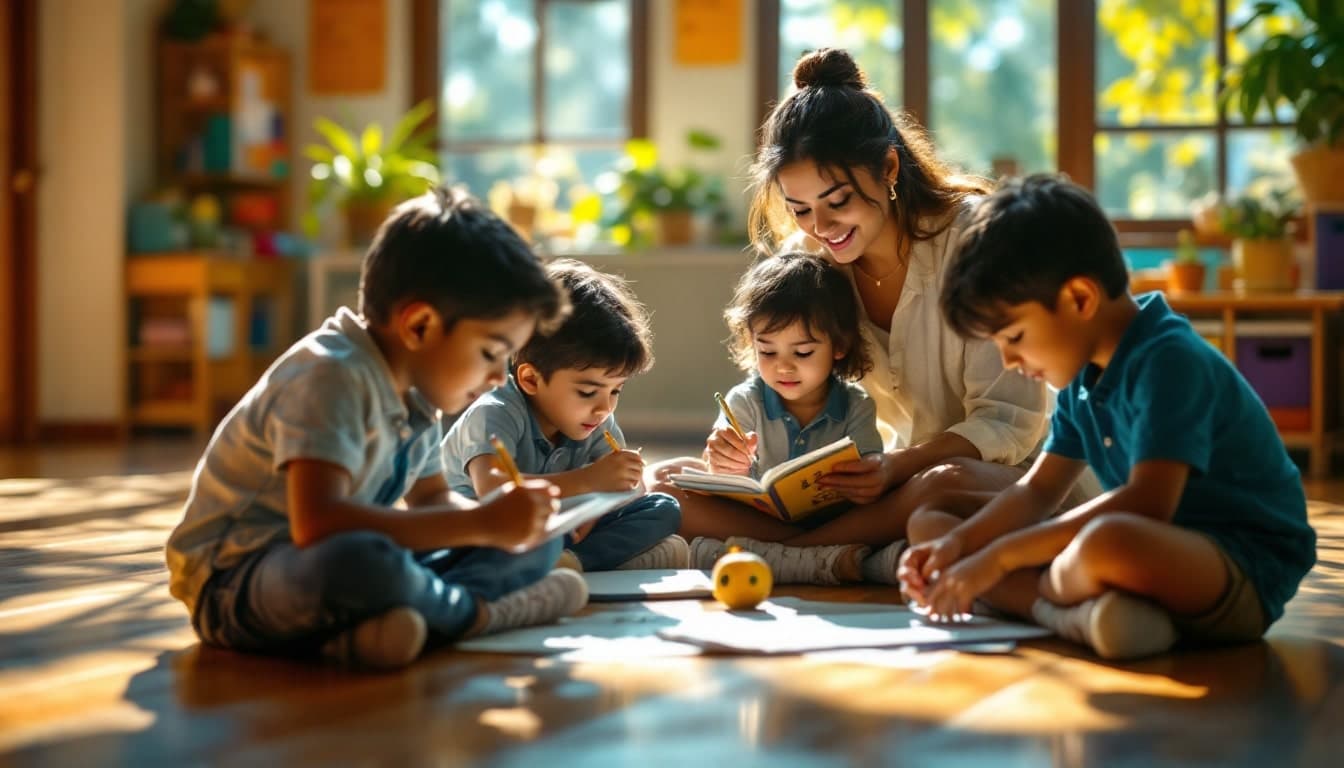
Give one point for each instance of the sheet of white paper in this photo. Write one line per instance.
(611, 586)
(627, 630)
(577, 510)
(779, 627)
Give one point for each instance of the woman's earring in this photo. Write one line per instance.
(891, 192)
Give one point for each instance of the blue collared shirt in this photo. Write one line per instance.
(1169, 395)
(758, 408)
(505, 412)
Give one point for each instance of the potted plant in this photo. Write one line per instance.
(1305, 68)
(365, 174)
(1185, 272)
(662, 201)
(1262, 252)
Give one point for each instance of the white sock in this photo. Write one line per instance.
(705, 552)
(1114, 625)
(670, 553)
(560, 592)
(880, 567)
(390, 640)
(800, 565)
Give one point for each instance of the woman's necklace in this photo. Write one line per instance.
(877, 281)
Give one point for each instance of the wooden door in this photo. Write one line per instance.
(18, 220)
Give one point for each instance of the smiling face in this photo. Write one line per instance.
(572, 401)
(794, 362)
(451, 369)
(826, 205)
(1044, 344)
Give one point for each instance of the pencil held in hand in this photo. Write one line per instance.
(611, 441)
(727, 414)
(506, 460)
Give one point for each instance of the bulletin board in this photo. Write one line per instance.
(347, 46)
(708, 32)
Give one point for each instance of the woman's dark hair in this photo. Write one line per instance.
(835, 120)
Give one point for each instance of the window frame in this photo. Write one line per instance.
(426, 70)
(1076, 117)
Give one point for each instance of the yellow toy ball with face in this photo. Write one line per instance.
(742, 580)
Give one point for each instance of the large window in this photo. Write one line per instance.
(538, 96)
(1120, 94)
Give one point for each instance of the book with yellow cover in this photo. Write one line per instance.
(788, 491)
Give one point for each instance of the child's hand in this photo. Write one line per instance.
(728, 454)
(617, 471)
(516, 519)
(955, 588)
(919, 562)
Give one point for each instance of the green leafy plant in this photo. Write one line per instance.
(1303, 67)
(1187, 251)
(1253, 218)
(646, 188)
(369, 168)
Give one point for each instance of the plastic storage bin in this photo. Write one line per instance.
(1275, 358)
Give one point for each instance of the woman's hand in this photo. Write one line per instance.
(955, 588)
(728, 454)
(863, 481)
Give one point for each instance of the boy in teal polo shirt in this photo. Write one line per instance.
(1202, 535)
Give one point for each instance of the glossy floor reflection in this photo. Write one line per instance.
(97, 667)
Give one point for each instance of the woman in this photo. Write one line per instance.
(837, 172)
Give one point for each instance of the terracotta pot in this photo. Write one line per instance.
(675, 227)
(1185, 277)
(1263, 265)
(523, 218)
(1320, 174)
(362, 220)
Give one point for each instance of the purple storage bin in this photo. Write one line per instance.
(1278, 369)
(1329, 231)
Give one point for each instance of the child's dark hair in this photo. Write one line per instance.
(607, 327)
(448, 250)
(1023, 243)
(797, 287)
(836, 121)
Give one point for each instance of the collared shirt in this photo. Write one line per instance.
(1167, 395)
(330, 397)
(506, 413)
(927, 380)
(758, 408)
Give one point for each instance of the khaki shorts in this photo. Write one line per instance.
(1237, 617)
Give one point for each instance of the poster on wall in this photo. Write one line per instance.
(347, 46)
(708, 32)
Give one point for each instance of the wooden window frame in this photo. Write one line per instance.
(426, 69)
(1076, 110)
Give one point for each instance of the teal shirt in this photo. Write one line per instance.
(1169, 395)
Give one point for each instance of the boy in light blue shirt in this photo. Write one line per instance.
(554, 415)
(290, 543)
(1202, 535)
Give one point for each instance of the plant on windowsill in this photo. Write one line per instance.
(1185, 272)
(658, 204)
(1304, 67)
(1262, 251)
(366, 174)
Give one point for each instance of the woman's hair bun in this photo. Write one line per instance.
(828, 66)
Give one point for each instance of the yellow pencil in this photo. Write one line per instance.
(732, 420)
(506, 460)
(615, 446)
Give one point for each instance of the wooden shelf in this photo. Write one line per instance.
(164, 413)
(161, 354)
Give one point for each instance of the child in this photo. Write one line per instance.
(1203, 532)
(289, 542)
(554, 414)
(795, 328)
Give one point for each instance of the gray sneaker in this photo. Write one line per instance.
(1115, 625)
(561, 592)
(670, 553)
(389, 640)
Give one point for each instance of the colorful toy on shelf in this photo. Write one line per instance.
(742, 580)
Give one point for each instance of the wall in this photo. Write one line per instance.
(82, 101)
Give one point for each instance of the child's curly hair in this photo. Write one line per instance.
(797, 287)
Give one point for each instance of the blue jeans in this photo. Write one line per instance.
(626, 532)
(290, 601)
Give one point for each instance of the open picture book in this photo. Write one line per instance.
(788, 491)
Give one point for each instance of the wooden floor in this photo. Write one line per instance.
(98, 666)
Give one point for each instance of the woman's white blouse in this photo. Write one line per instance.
(927, 380)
